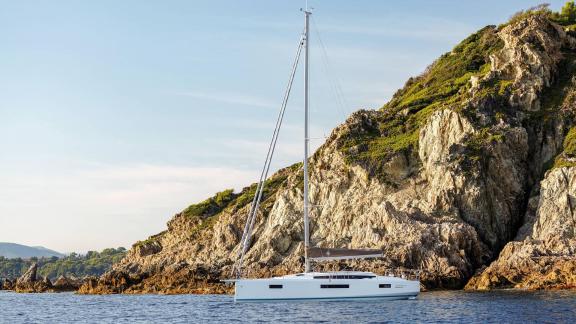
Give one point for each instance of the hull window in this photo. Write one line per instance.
(385, 285)
(275, 286)
(334, 286)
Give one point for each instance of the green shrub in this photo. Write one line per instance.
(568, 156)
(570, 143)
(504, 87)
(541, 9)
(150, 239)
(270, 186)
(212, 205)
(567, 15)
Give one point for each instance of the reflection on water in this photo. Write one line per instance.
(447, 306)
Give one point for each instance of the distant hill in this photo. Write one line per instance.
(13, 250)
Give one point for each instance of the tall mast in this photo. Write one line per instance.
(306, 139)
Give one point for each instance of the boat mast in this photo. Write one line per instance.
(306, 139)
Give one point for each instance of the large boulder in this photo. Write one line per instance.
(30, 283)
(64, 283)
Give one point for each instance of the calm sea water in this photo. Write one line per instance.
(440, 307)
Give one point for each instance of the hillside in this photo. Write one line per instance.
(13, 250)
(73, 265)
(468, 173)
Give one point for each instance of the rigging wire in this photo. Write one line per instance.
(251, 219)
(335, 84)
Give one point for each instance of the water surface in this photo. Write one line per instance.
(431, 307)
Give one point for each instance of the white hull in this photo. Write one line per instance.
(326, 286)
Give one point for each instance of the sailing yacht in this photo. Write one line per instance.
(311, 285)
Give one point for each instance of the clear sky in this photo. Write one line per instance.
(115, 115)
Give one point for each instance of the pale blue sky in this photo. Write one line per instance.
(114, 115)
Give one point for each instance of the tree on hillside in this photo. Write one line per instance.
(568, 12)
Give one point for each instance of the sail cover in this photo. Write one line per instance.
(317, 253)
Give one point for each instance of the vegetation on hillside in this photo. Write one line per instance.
(568, 156)
(206, 213)
(91, 264)
(443, 84)
(212, 205)
(566, 16)
(271, 186)
(228, 199)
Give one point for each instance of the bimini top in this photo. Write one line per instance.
(317, 253)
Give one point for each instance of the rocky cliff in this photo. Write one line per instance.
(543, 253)
(469, 165)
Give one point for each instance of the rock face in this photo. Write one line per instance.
(543, 253)
(64, 283)
(546, 257)
(533, 48)
(441, 179)
(29, 283)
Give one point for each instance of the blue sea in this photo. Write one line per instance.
(430, 307)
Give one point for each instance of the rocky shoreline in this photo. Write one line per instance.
(30, 282)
